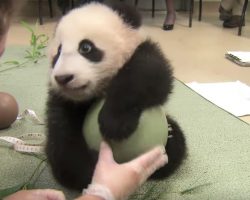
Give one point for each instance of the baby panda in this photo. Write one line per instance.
(99, 51)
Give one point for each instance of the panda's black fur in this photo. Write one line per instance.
(144, 81)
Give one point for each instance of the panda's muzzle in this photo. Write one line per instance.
(64, 82)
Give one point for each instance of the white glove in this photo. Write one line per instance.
(113, 181)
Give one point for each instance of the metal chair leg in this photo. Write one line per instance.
(242, 17)
(50, 8)
(191, 9)
(40, 12)
(72, 4)
(136, 2)
(200, 10)
(153, 8)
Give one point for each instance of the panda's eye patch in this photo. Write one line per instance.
(56, 56)
(88, 50)
(59, 49)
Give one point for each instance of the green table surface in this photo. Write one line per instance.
(218, 162)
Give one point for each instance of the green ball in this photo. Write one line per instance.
(152, 130)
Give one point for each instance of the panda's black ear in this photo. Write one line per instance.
(128, 13)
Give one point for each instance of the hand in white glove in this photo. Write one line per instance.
(121, 180)
(45, 194)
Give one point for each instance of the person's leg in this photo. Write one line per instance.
(235, 19)
(237, 7)
(170, 17)
(225, 9)
(227, 4)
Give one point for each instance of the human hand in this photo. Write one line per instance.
(45, 194)
(123, 179)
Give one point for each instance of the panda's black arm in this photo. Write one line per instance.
(144, 81)
(67, 152)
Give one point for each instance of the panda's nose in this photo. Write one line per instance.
(64, 79)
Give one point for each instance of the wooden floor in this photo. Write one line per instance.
(197, 53)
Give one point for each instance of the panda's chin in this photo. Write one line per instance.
(80, 88)
(77, 94)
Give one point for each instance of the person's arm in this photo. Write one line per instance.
(39, 194)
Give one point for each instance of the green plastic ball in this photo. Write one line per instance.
(152, 130)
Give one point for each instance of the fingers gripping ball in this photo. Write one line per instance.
(152, 130)
(8, 110)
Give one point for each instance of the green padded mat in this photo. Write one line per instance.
(218, 162)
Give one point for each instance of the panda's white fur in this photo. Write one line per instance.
(110, 34)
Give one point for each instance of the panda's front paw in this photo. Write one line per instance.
(118, 126)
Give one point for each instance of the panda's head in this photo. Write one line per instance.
(90, 45)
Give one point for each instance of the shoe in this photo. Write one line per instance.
(225, 14)
(168, 24)
(168, 27)
(233, 22)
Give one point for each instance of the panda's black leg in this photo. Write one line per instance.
(70, 159)
(175, 149)
(72, 165)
